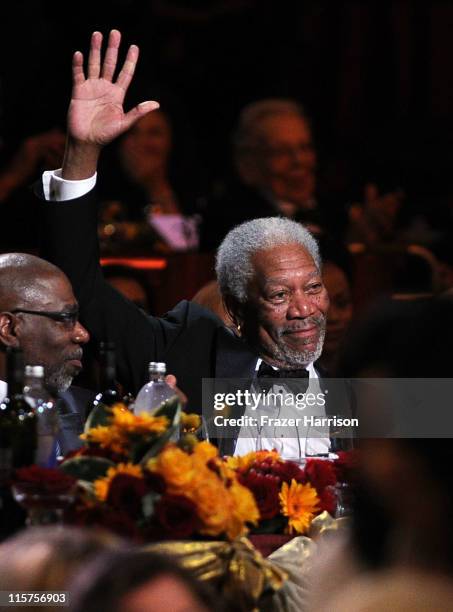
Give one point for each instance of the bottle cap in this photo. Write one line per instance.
(157, 367)
(34, 370)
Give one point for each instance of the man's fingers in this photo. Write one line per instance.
(128, 69)
(111, 55)
(172, 382)
(139, 111)
(78, 76)
(94, 59)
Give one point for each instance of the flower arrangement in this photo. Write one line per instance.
(289, 496)
(136, 481)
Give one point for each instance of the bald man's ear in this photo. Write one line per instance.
(8, 329)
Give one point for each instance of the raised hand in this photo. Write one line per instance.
(96, 115)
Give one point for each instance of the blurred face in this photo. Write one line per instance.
(285, 315)
(340, 309)
(163, 593)
(286, 159)
(56, 345)
(146, 147)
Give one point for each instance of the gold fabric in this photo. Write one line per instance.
(236, 569)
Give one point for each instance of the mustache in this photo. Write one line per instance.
(308, 323)
(78, 354)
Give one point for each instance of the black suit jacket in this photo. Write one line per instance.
(71, 415)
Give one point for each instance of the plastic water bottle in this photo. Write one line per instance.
(45, 409)
(152, 395)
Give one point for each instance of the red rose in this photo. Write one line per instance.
(155, 482)
(43, 480)
(103, 516)
(287, 471)
(346, 465)
(177, 515)
(328, 500)
(265, 489)
(126, 493)
(320, 473)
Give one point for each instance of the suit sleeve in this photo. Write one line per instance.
(69, 240)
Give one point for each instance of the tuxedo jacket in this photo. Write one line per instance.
(190, 339)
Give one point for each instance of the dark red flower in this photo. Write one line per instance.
(43, 480)
(177, 516)
(265, 489)
(155, 482)
(346, 465)
(320, 473)
(103, 516)
(126, 493)
(328, 500)
(287, 471)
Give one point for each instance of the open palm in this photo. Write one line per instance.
(96, 114)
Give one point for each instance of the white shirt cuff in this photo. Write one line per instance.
(57, 189)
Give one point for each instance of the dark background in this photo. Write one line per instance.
(375, 76)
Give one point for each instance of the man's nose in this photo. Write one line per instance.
(80, 334)
(301, 307)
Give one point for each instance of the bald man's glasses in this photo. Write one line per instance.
(68, 318)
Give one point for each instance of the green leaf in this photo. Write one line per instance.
(87, 468)
(100, 415)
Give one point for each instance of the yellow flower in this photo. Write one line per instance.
(101, 486)
(205, 451)
(143, 423)
(244, 462)
(244, 510)
(190, 422)
(175, 466)
(213, 505)
(299, 502)
(106, 437)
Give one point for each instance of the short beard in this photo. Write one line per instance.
(290, 358)
(58, 381)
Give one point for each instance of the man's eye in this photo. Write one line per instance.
(280, 295)
(314, 288)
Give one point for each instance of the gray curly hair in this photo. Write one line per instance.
(234, 256)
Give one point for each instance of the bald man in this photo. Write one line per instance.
(39, 314)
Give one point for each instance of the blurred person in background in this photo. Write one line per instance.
(275, 161)
(47, 558)
(35, 154)
(149, 193)
(130, 283)
(399, 555)
(339, 315)
(140, 582)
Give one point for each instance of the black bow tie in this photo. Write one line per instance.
(267, 371)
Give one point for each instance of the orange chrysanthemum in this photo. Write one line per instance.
(107, 437)
(243, 462)
(101, 486)
(175, 466)
(141, 424)
(299, 502)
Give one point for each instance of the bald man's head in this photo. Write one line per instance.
(38, 313)
(23, 279)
